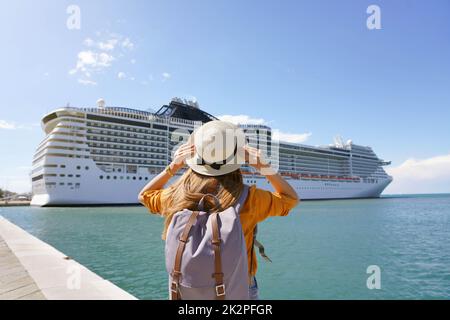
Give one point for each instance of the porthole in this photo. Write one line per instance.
(107, 177)
(134, 178)
(87, 168)
(115, 177)
(101, 177)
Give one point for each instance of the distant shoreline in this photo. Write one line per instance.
(14, 203)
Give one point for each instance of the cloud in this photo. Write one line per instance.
(242, 119)
(123, 76)
(108, 45)
(421, 175)
(109, 42)
(127, 44)
(90, 62)
(133, 61)
(88, 42)
(166, 76)
(87, 82)
(290, 137)
(99, 55)
(9, 125)
(276, 134)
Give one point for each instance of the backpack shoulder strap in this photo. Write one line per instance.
(240, 202)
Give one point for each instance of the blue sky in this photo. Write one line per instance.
(311, 68)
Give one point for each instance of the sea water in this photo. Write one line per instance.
(323, 250)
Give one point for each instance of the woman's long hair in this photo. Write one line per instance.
(186, 192)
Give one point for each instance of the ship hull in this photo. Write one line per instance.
(118, 190)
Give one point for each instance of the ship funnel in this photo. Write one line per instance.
(101, 103)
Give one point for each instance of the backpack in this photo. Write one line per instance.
(206, 255)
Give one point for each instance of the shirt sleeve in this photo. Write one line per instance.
(152, 200)
(266, 204)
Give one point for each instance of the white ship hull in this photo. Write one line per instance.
(119, 191)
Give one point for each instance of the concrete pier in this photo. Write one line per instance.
(32, 269)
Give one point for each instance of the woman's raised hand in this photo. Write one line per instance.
(255, 158)
(185, 151)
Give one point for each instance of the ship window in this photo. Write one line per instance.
(87, 168)
(128, 178)
(140, 178)
(107, 177)
(134, 178)
(101, 177)
(121, 177)
(62, 175)
(146, 178)
(78, 167)
(115, 177)
(61, 183)
(62, 166)
(39, 177)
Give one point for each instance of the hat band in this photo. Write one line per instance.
(218, 165)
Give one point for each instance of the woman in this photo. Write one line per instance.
(223, 179)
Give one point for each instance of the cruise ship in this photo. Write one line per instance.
(105, 155)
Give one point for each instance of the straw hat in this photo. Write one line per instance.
(218, 148)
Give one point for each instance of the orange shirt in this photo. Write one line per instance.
(260, 204)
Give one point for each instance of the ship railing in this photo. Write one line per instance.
(312, 176)
(254, 126)
(136, 114)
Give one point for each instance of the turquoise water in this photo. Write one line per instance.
(320, 251)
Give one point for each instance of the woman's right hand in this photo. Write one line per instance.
(255, 158)
(185, 151)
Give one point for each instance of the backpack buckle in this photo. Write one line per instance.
(174, 287)
(220, 290)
